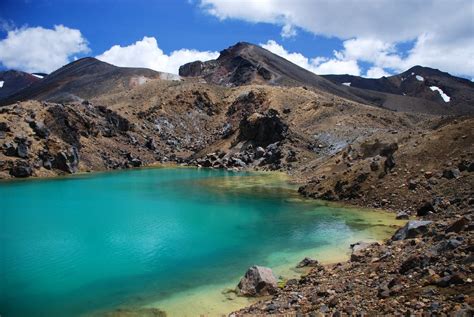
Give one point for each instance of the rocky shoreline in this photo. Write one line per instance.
(425, 268)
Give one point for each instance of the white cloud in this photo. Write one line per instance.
(318, 65)
(288, 31)
(386, 20)
(146, 53)
(376, 72)
(36, 49)
(442, 30)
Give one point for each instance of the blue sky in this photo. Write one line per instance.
(322, 36)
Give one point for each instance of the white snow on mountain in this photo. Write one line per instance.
(1, 83)
(419, 78)
(445, 97)
(346, 84)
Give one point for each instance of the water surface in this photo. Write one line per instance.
(167, 238)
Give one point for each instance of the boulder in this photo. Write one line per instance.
(40, 129)
(9, 149)
(257, 281)
(67, 161)
(411, 230)
(307, 262)
(21, 169)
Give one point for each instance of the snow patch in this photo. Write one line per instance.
(346, 84)
(38, 76)
(419, 78)
(445, 97)
(1, 83)
(412, 74)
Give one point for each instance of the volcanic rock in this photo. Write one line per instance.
(21, 169)
(412, 229)
(257, 281)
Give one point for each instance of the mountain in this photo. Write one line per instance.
(245, 64)
(425, 83)
(12, 81)
(84, 79)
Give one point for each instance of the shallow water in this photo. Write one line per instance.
(167, 238)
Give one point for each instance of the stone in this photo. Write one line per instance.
(257, 281)
(307, 262)
(135, 162)
(458, 225)
(389, 164)
(22, 148)
(67, 161)
(415, 261)
(4, 127)
(425, 209)
(463, 166)
(150, 144)
(402, 215)
(451, 173)
(454, 279)
(411, 230)
(358, 250)
(40, 129)
(9, 149)
(428, 175)
(21, 169)
(412, 184)
(374, 166)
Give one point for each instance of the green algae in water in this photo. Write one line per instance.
(167, 238)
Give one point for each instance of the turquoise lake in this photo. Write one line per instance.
(171, 238)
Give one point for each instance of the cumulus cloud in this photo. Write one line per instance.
(371, 30)
(376, 72)
(146, 53)
(36, 49)
(318, 65)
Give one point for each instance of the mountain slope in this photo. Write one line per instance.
(454, 93)
(84, 79)
(12, 81)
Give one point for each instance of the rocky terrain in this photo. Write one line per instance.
(250, 109)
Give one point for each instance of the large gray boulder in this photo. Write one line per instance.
(411, 230)
(257, 281)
